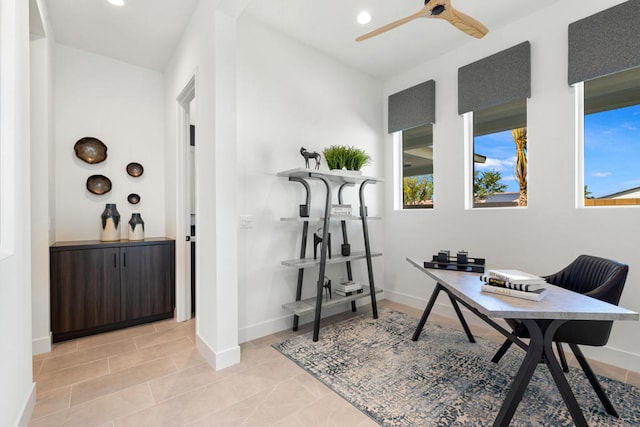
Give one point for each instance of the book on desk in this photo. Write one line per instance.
(527, 287)
(514, 283)
(516, 276)
(536, 295)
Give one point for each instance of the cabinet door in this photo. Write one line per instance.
(147, 280)
(85, 289)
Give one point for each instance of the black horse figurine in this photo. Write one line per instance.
(307, 155)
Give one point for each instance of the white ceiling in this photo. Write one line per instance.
(145, 32)
(330, 26)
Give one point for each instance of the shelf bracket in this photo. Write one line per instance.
(323, 258)
(345, 239)
(303, 247)
(367, 247)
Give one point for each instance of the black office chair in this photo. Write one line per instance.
(598, 278)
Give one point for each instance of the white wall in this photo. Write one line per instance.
(121, 105)
(207, 51)
(17, 391)
(290, 96)
(550, 232)
(42, 187)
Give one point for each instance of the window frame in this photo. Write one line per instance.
(469, 166)
(398, 150)
(580, 135)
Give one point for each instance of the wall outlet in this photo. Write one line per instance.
(246, 221)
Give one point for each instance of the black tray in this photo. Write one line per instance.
(474, 265)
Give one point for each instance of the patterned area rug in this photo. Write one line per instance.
(442, 379)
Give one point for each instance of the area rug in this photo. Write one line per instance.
(442, 379)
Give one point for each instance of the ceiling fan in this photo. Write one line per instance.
(436, 9)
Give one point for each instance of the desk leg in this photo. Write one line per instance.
(427, 311)
(463, 322)
(541, 333)
(429, 307)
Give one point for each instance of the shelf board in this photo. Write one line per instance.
(339, 176)
(308, 305)
(333, 218)
(335, 259)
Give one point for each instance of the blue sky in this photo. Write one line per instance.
(611, 152)
(500, 151)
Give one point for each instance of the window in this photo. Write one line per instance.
(500, 155)
(611, 149)
(417, 167)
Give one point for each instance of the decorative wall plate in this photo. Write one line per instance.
(90, 150)
(98, 184)
(135, 169)
(133, 198)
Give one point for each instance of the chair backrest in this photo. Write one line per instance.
(600, 278)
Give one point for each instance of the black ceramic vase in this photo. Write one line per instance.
(110, 224)
(136, 227)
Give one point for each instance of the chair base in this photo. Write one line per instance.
(591, 376)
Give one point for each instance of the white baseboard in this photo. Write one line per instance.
(262, 329)
(27, 411)
(608, 355)
(268, 327)
(41, 345)
(440, 308)
(612, 356)
(219, 360)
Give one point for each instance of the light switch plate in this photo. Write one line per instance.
(246, 221)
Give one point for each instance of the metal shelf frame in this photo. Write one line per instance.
(330, 179)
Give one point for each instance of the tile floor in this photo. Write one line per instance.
(152, 375)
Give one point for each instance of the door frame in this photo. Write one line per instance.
(183, 218)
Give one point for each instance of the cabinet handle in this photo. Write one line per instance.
(125, 259)
(115, 261)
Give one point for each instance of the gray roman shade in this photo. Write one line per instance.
(495, 80)
(412, 107)
(605, 43)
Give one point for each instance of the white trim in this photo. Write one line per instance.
(41, 345)
(29, 406)
(220, 360)
(468, 160)
(398, 165)
(183, 221)
(612, 356)
(268, 327)
(579, 122)
(7, 127)
(272, 326)
(445, 310)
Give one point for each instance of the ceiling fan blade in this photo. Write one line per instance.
(423, 13)
(464, 23)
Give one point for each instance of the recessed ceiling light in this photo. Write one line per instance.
(116, 2)
(364, 17)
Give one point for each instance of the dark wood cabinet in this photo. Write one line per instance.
(97, 287)
(145, 274)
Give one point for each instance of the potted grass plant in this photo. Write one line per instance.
(344, 157)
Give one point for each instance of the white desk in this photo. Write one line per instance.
(541, 318)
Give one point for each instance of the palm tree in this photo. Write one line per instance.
(587, 193)
(520, 138)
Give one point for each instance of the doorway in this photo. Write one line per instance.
(190, 193)
(186, 260)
